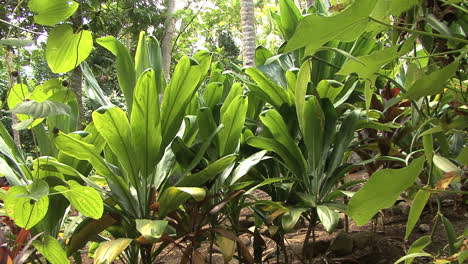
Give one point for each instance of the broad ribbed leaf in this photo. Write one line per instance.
(313, 31)
(267, 89)
(212, 94)
(370, 64)
(432, 83)
(16, 42)
(290, 218)
(382, 190)
(7, 172)
(290, 17)
(21, 208)
(91, 86)
(151, 229)
(108, 251)
(343, 138)
(51, 249)
(276, 125)
(302, 81)
(245, 165)
(85, 199)
(200, 178)
(49, 12)
(112, 124)
(145, 122)
(42, 109)
(419, 203)
(125, 67)
(233, 120)
(172, 197)
(177, 96)
(417, 247)
(313, 125)
(328, 217)
(66, 50)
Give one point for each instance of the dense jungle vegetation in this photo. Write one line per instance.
(244, 131)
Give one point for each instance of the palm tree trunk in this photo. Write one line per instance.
(248, 33)
(166, 43)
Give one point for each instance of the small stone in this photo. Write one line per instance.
(404, 208)
(362, 240)
(424, 228)
(342, 245)
(245, 240)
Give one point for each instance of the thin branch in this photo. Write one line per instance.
(421, 32)
(24, 29)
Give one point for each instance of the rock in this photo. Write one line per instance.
(245, 240)
(218, 259)
(342, 245)
(424, 228)
(320, 248)
(362, 240)
(404, 208)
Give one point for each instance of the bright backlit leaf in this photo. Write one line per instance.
(66, 50)
(50, 12)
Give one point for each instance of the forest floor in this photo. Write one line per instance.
(380, 242)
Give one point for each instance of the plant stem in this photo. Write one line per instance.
(420, 32)
(18, 27)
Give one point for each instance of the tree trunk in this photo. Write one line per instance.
(76, 86)
(166, 43)
(248, 33)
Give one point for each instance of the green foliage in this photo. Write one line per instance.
(382, 190)
(63, 58)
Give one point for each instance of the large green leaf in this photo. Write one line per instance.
(151, 229)
(290, 218)
(418, 246)
(276, 125)
(302, 81)
(290, 17)
(51, 249)
(343, 138)
(173, 197)
(177, 96)
(85, 199)
(212, 94)
(382, 190)
(66, 50)
(42, 109)
(313, 31)
(145, 122)
(367, 65)
(23, 209)
(245, 165)
(432, 83)
(328, 217)
(7, 172)
(50, 13)
(83, 151)
(200, 178)
(313, 127)
(125, 67)
(267, 89)
(233, 120)
(108, 251)
(91, 86)
(419, 203)
(112, 124)
(272, 145)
